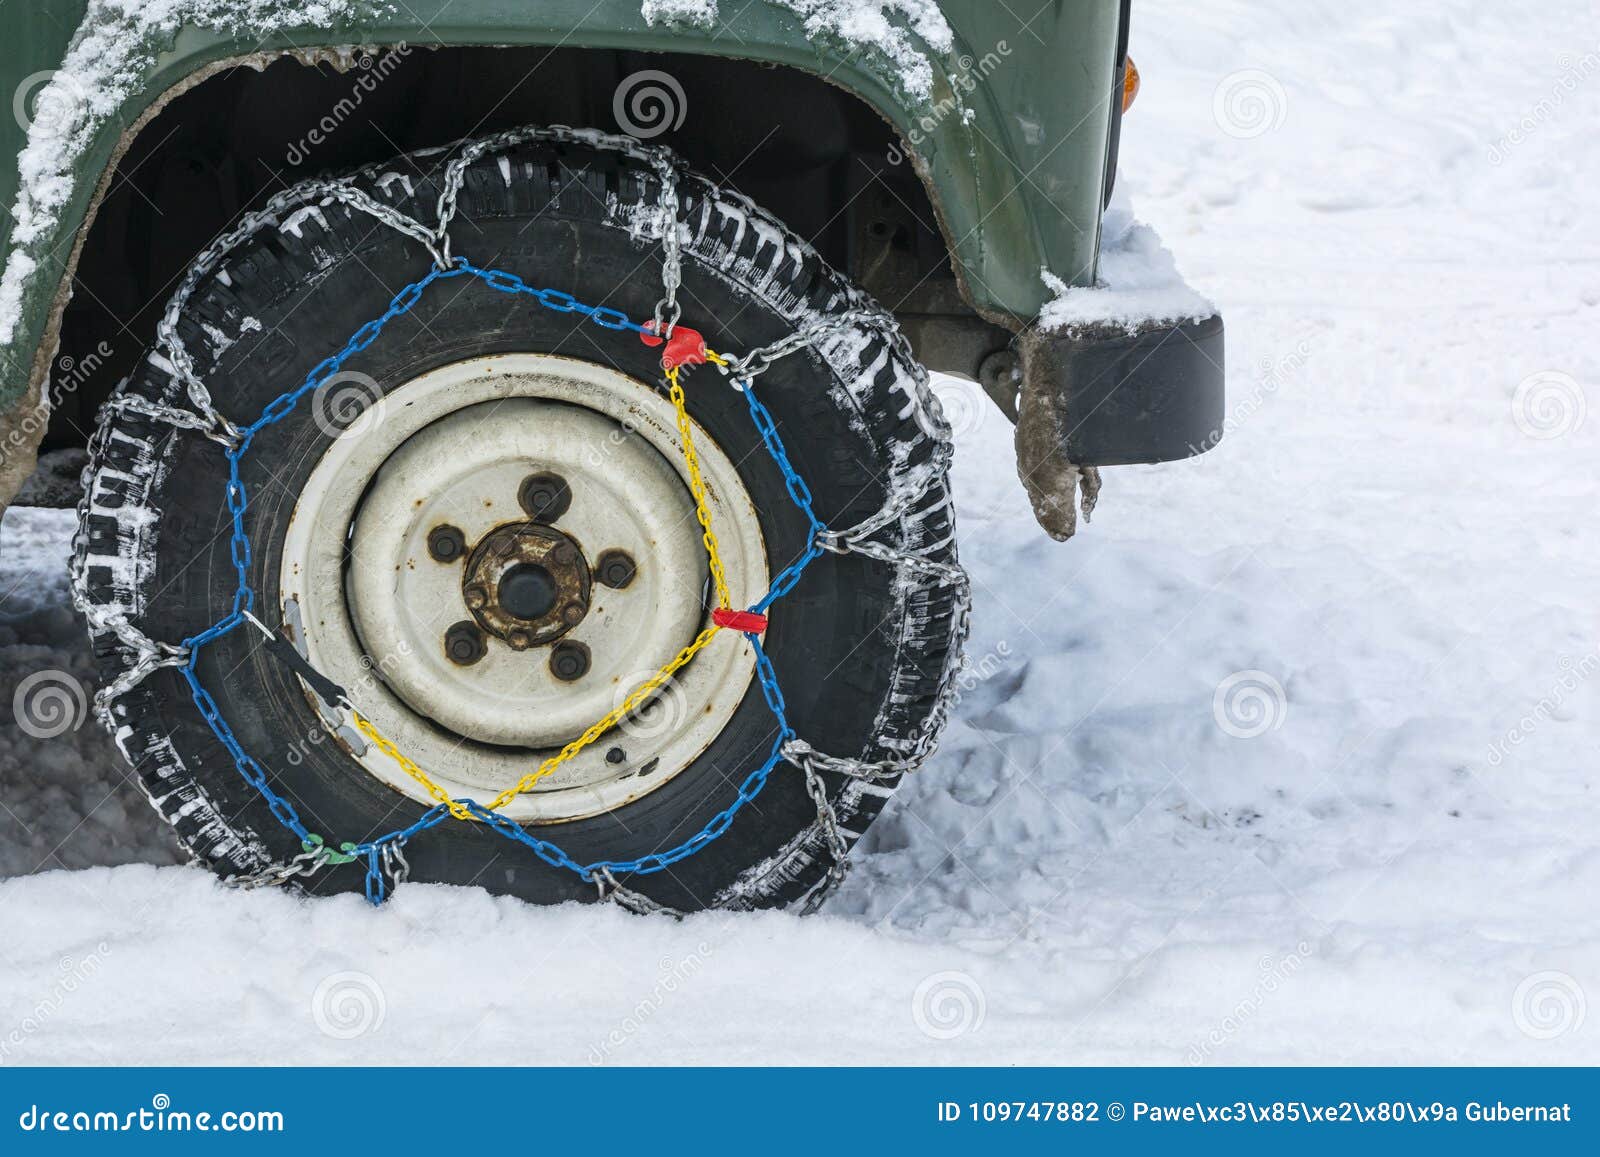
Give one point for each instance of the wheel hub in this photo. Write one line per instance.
(526, 584)
(522, 553)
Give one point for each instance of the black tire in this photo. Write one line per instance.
(862, 648)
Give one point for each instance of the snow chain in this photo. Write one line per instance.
(384, 857)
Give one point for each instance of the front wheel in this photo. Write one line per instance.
(477, 537)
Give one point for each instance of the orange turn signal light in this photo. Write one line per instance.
(1130, 83)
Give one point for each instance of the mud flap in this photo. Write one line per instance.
(1104, 396)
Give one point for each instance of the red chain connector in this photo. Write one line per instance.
(745, 622)
(686, 347)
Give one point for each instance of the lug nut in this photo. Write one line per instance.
(464, 645)
(616, 568)
(569, 661)
(616, 755)
(446, 544)
(544, 496)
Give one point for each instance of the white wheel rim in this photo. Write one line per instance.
(451, 448)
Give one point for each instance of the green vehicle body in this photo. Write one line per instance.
(1013, 156)
(988, 141)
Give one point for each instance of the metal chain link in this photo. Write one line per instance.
(395, 864)
(668, 312)
(171, 345)
(215, 426)
(809, 759)
(759, 361)
(148, 655)
(659, 157)
(857, 540)
(828, 824)
(942, 571)
(276, 875)
(636, 902)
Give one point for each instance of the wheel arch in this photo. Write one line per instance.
(139, 224)
(967, 179)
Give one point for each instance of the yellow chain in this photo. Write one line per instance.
(407, 765)
(638, 696)
(697, 487)
(649, 687)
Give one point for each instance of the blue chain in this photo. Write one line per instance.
(373, 851)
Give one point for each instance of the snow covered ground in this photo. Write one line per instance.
(1292, 756)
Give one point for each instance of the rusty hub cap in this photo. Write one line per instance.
(526, 584)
